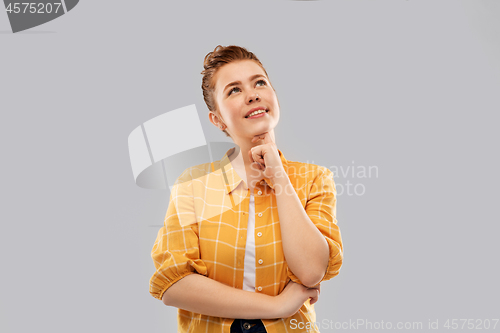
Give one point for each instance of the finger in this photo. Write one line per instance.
(256, 155)
(257, 138)
(263, 136)
(315, 298)
(267, 138)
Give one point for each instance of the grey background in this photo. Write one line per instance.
(408, 86)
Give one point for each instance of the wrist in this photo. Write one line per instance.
(279, 174)
(282, 184)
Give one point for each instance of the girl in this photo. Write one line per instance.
(248, 239)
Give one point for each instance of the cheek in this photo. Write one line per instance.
(272, 97)
(231, 111)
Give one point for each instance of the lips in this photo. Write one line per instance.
(256, 109)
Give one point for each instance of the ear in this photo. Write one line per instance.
(214, 119)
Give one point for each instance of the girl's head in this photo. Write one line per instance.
(234, 83)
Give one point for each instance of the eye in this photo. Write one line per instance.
(231, 91)
(261, 81)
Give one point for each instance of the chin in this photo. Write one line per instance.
(262, 129)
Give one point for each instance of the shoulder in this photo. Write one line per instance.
(199, 171)
(194, 172)
(307, 170)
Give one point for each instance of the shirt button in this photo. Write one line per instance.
(259, 288)
(260, 214)
(259, 193)
(261, 261)
(259, 234)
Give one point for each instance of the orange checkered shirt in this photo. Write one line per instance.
(205, 228)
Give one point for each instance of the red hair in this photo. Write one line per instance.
(214, 60)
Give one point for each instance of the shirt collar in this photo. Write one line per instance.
(231, 178)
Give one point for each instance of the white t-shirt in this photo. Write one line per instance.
(249, 263)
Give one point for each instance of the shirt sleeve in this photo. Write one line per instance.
(176, 251)
(322, 210)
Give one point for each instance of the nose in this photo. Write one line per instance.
(253, 97)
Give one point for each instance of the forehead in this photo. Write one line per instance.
(240, 70)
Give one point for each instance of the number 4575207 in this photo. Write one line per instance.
(33, 8)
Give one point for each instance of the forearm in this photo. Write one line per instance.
(200, 294)
(305, 248)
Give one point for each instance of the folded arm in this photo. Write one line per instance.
(200, 294)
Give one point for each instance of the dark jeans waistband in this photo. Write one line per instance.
(248, 326)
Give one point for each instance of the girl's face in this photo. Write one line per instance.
(240, 88)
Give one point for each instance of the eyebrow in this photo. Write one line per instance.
(235, 83)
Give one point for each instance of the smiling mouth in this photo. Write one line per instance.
(256, 113)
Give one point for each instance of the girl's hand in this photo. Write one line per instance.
(266, 156)
(315, 299)
(294, 296)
